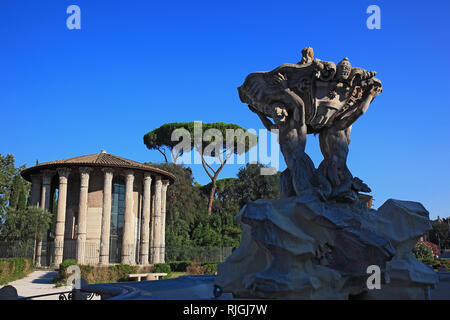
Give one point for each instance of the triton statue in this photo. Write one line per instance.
(316, 97)
(318, 241)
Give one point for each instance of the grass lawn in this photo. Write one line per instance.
(176, 275)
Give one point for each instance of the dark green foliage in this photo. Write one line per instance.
(179, 266)
(428, 261)
(14, 194)
(66, 263)
(188, 225)
(161, 138)
(17, 249)
(24, 224)
(7, 173)
(162, 268)
(124, 269)
(195, 269)
(438, 264)
(19, 192)
(440, 234)
(210, 268)
(99, 274)
(222, 141)
(14, 268)
(422, 251)
(255, 186)
(203, 268)
(222, 185)
(61, 276)
(14, 190)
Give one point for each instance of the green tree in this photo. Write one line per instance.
(224, 140)
(232, 194)
(25, 224)
(440, 234)
(19, 191)
(255, 186)
(7, 173)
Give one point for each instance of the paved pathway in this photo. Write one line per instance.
(36, 283)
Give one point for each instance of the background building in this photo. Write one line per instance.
(109, 210)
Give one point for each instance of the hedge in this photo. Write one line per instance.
(104, 274)
(210, 268)
(14, 268)
(193, 267)
(119, 272)
(162, 268)
(179, 266)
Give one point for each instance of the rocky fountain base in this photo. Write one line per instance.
(302, 248)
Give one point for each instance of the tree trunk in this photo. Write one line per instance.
(211, 196)
(164, 155)
(34, 251)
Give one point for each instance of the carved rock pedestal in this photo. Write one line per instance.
(302, 248)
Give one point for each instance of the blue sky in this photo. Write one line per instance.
(136, 65)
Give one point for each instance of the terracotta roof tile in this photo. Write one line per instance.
(96, 159)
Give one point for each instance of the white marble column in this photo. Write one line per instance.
(82, 214)
(61, 215)
(128, 241)
(156, 223)
(152, 222)
(41, 252)
(106, 216)
(162, 253)
(145, 233)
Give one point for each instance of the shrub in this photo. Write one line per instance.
(86, 271)
(422, 251)
(179, 266)
(433, 247)
(62, 276)
(99, 274)
(14, 268)
(123, 270)
(210, 268)
(162, 268)
(436, 264)
(195, 269)
(68, 262)
(428, 261)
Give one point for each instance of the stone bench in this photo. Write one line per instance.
(147, 276)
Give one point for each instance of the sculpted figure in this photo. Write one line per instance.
(320, 243)
(317, 97)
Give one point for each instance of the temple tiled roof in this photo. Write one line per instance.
(101, 159)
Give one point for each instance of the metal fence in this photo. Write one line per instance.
(197, 254)
(26, 249)
(17, 249)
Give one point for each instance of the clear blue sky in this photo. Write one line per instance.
(136, 65)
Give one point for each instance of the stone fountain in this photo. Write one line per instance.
(319, 241)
